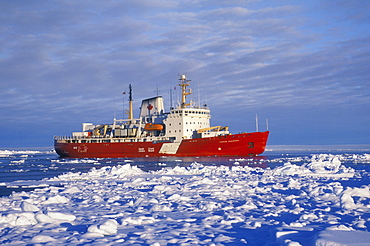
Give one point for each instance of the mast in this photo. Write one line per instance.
(183, 84)
(171, 98)
(130, 112)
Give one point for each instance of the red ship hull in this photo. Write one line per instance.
(244, 144)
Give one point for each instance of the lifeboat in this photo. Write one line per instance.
(153, 127)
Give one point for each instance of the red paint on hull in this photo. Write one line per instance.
(245, 144)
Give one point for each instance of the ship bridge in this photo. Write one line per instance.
(182, 123)
(186, 120)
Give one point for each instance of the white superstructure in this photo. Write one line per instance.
(186, 121)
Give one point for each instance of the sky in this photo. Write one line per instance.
(303, 65)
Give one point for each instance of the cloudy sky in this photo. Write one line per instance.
(304, 65)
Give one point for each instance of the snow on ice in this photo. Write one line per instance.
(309, 204)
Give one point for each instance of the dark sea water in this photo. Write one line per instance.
(40, 163)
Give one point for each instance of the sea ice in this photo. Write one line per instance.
(28, 207)
(195, 205)
(42, 239)
(108, 227)
(347, 202)
(340, 238)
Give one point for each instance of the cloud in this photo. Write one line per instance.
(65, 60)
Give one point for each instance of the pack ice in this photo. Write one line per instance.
(317, 203)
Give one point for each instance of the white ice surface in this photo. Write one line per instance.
(197, 205)
(25, 153)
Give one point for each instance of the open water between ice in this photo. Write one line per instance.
(289, 196)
